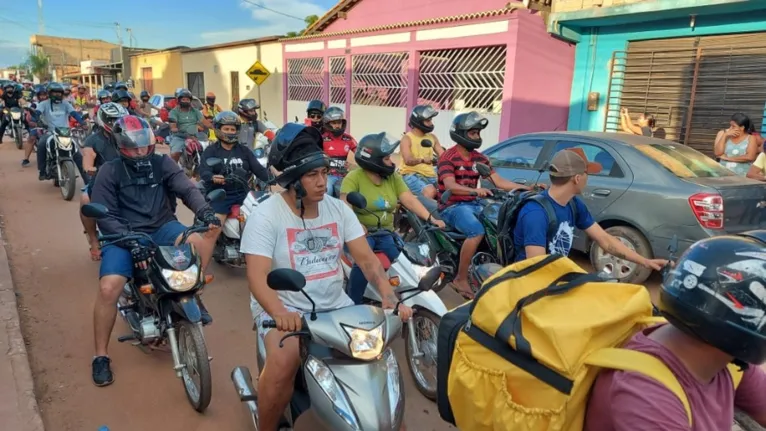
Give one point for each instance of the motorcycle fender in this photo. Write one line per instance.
(188, 308)
(428, 300)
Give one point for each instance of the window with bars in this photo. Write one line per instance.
(379, 79)
(304, 78)
(465, 78)
(196, 84)
(338, 80)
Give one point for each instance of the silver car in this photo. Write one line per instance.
(648, 191)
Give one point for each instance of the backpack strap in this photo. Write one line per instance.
(550, 213)
(643, 363)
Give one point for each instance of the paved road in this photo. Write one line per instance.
(57, 285)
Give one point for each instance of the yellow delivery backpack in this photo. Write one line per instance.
(525, 352)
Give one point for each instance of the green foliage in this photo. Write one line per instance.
(309, 20)
(39, 65)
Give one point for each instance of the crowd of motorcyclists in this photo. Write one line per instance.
(306, 227)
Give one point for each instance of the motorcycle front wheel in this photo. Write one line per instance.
(68, 179)
(18, 138)
(196, 374)
(423, 369)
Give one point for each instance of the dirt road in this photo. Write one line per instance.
(57, 285)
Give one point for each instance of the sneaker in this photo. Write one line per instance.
(25, 162)
(206, 317)
(42, 177)
(102, 372)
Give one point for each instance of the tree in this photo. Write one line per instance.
(309, 20)
(39, 65)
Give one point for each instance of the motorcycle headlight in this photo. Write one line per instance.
(394, 388)
(182, 281)
(365, 345)
(326, 380)
(16, 115)
(259, 153)
(65, 142)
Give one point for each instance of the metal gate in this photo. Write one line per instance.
(379, 79)
(691, 85)
(304, 79)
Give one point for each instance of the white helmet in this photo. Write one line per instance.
(108, 113)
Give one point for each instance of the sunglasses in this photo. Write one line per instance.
(315, 116)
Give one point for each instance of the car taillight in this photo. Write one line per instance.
(708, 208)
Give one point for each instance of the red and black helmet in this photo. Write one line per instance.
(133, 133)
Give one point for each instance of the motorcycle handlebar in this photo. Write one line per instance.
(269, 324)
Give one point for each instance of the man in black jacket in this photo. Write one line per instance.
(10, 99)
(140, 187)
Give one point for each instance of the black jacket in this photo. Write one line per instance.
(238, 157)
(12, 101)
(147, 206)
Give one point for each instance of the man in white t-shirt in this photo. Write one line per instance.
(303, 229)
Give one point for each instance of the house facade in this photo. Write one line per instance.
(690, 63)
(158, 71)
(222, 69)
(377, 60)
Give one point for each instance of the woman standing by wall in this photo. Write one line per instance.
(736, 147)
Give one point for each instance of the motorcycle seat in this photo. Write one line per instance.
(234, 212)
(384, 260)
(454, 234)
(174, 257)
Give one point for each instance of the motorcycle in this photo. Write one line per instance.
(348, 374)
(227, 245)
(160, 305)
(60, 164)
(414, 263)
(338, 167)
(15, 125)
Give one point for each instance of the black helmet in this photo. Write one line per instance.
(120, 86)
(144, 94)
(247, 109)
(56, 92)
(371, 151)
(316, 107)
(223, 119)
(716, 292)
(40, 89)
(184, 93)
(120, 95)
(295, 151)
(462, 124)
(9, 87)
(334, 114)
(109, 87)
(67, 89)
(419, 115)
(104, 94)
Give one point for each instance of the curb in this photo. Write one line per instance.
(27, 417)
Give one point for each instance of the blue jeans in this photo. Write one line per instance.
(116, 260)
(42, 157)
(357, 283)
(417, 183)
(463, 216)
(333, 185)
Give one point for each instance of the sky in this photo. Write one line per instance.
(155, 23)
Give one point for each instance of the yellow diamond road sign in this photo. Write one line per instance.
(258, 73)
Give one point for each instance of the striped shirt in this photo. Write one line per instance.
(452, 164)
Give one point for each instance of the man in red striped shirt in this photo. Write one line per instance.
(458, 173)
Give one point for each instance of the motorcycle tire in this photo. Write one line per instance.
(193, 333)
(429, 393)
(68, 182)
(743, 422)
(18, 138)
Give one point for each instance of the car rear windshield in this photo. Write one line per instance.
(684, 162)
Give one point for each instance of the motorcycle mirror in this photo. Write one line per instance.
(426, 143)
(96, 211)
(432, 276)
(445, 197)
(216, 195)
(484, 170)
(286, 279)
(357, 200)
(213, 162)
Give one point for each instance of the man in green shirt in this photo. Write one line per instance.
(184, 120)
(383, 188)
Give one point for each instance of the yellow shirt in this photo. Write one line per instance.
(420, 152)
(760, 163)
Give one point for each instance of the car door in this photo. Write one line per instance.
(517, 160)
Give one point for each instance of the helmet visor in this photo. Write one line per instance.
(134, 139)
(388, 143)
(429, 112)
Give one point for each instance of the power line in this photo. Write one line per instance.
(272, 10)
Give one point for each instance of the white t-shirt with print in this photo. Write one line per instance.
(274, 231)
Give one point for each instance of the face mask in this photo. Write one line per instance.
(145, 100)
(210, 101)
(185, 104)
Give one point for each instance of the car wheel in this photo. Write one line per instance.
(622, 269)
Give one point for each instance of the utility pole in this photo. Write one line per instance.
(130, 36)
(40, 18)
(118, 29)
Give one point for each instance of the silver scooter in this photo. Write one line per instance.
(349, 375)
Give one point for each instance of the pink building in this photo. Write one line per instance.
(377, 59)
